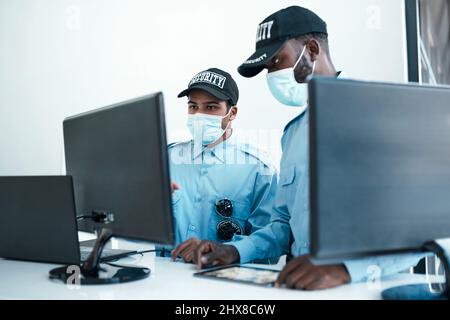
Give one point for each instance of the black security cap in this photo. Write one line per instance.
(275, 30)
(216, 82)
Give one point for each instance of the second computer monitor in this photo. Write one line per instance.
(379, 167)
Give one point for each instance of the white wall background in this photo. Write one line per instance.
(62, 57)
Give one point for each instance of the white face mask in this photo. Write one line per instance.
(286, 89)
(205, 128)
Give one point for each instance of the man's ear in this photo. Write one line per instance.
(233, 113)
(314, 49)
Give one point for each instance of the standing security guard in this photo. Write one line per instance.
(225, 189)
(292, 45)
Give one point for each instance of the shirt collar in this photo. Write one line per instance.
(218, 151)
(341, 75)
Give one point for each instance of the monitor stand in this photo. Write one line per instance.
(423, 291)
(92, 272)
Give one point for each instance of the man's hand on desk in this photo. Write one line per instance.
(210, 253)
(300, 273)
(186, 250)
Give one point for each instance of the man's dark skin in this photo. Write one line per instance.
(299, 273)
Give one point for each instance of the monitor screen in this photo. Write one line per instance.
(117, 156)
(379, 167)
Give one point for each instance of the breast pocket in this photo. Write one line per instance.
(287, 176)
(288, 185)
(239, 216)
(241, 210)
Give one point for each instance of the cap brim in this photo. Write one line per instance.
(258, 60)
(212, 91)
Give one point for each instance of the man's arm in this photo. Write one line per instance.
(301, 273)
(271, 241)
(262, 202)
(265, 223)
(368, 268)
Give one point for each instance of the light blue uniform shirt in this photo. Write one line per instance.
(288, 231)
(230, 170)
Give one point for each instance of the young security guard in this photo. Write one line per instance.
(226, 189)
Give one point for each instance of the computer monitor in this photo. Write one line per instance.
(118, 159)
(379, 167)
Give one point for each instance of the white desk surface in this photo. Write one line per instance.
(168, 280)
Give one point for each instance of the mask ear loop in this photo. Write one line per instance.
(227, 113)
(226, 128)
(300, 58)
(312, 73)
(229, 122)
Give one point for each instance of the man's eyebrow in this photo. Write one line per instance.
(206, 102)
